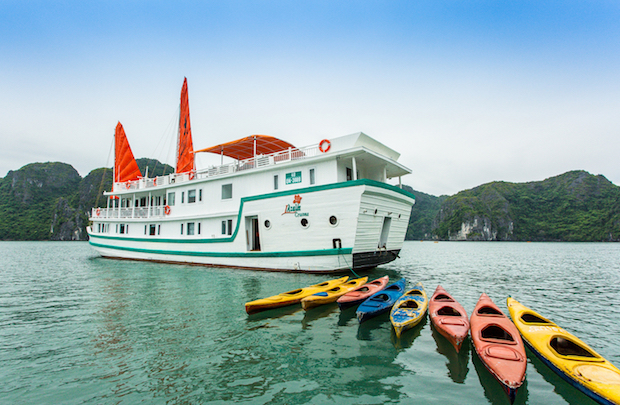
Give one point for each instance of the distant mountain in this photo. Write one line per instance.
(50, 201)
(574, 206)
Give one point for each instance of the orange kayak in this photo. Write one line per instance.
(359, 295)
(499, 345)
(448, 317)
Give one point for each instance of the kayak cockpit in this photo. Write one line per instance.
(448, 311)
(444, 298)
(533, 319)
(566, 347)
(495, 333)
(486, 311)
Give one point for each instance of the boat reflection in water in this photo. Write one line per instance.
(405, 340)
(457, 362)
(317, 313)
(492, 389)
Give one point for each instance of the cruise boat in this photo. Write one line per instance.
(326, 207)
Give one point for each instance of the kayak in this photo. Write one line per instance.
(290, 297)
(332, 294)
(361, 294)
(409, 309)
(380, 302)
(499, 345)
(448, 317)
(567, 355)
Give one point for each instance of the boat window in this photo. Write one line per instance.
(449, 311)
(171, 199)
(275, 182)
(182, 197)
(198, 228)
(531, 318)
(227, 227)
(200, 195)
(567, 347)
(226, 191)
(312, 179)
(152, 229)
(267, 224)
(349, 174)
(191, 196)
(304, 222)
(158, 229)
(122, 228)
(181, 229)
(143, 202)
(190, 228)
(495, 332)
(488, 311)
(333, 220)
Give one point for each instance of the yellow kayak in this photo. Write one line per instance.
(291, 297)
(568, 356)
(332, 294)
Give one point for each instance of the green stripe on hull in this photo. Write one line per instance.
(325, 252)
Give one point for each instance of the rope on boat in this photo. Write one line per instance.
(100, 193)
(350, 267)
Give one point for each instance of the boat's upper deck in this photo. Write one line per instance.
(367, 157)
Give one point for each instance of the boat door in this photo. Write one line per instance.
(251, 233)
(385, 231)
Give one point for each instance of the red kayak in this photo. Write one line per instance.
(359, 295)
(499, 345)
(448, 317)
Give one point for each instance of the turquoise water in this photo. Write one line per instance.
(76, 328)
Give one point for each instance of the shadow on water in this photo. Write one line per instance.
(406, 339)
(457, 361)
(492, 388)
(346, 315)
(316, 313)
(364, 330)
(570, 394)
(274, 313)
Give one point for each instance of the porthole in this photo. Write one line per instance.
(267, 224)
(304, 223)
(333, 221)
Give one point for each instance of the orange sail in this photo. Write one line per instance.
(125, 166)
(185, 147)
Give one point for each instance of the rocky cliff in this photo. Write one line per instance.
(574, 206)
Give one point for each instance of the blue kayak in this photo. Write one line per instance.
(381, 301)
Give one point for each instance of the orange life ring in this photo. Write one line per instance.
(324, 145)
(167, 210)
(154, 182)
(98, 212)
(128, 184)
(191, 175)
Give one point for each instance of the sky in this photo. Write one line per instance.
(468, 92)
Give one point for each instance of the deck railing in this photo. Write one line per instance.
(259, 161)
(127, 212)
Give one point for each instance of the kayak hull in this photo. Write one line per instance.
(448, 317)
(498, 345)
(380, 302)
(567, 355)
(360, 295)
(333, 294)
(291, 297)
(409, 309)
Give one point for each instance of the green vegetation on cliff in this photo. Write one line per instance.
(50, 201)
(574, 206)
(43, 201)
